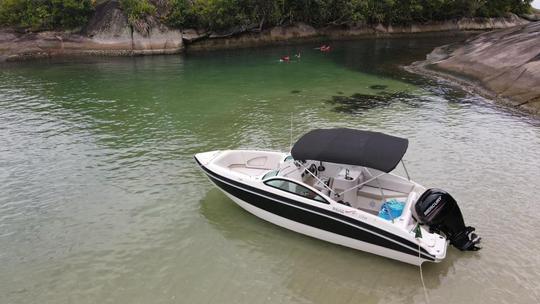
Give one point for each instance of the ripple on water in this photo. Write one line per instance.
(101, 200)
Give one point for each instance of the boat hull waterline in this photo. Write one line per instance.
(337, 185)
(320, 223)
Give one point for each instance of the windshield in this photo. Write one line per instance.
(269, 174)
(294, 188)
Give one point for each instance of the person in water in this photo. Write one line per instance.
(324, 48)
(285, 59)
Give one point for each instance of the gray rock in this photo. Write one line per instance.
(108, 32)
(249, 38)
(192, 35)
(109, 26)
(531, 17)
(108, 23)
(463, 24)
(506, 63)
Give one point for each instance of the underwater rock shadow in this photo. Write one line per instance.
(378, 87)
(358, 102)
(293, 254)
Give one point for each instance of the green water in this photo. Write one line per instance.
(102, 203)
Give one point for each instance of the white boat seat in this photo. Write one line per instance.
(375, 192)
(320, 185)
(344, 184)
(247, 170)
(257, 162)
(293, 174)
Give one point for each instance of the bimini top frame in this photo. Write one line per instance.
(352, 147)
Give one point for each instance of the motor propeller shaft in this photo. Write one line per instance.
(466, 240)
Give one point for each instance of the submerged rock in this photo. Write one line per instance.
(504, 63)
(358, 102)
(378, 87)
(108, 32)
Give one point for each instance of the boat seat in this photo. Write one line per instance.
(308, 179)
(247, 170)
(375, 192)
(319, 186)
(263, 167)
(293, 174)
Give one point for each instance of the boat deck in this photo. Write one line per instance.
(248, 170)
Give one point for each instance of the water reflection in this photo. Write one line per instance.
(102, 202)
(317, 271)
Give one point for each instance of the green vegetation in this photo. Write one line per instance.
(45, 14)
(227, 14)
(137, 9)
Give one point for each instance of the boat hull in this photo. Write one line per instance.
(333, 228)
(325, 235)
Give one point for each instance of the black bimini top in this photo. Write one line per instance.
(352, 147)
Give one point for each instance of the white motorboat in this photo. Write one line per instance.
(336, 186)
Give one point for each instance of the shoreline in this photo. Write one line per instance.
(464, 83)
(109, 34)
(503, 66)
(217, 45)
(300, 32)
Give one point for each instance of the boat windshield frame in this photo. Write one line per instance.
(317, 194)
(268, 175)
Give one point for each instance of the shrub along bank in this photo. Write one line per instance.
(216, 15)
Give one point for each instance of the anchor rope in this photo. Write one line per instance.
(421, 274)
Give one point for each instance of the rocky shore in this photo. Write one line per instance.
(303, 32)
(108, 32)
(503, 65)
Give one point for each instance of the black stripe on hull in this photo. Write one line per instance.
(323, 222)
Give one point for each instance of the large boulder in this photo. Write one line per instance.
(108, 32)
(463, 24)
(505, 62)
(249, 36)
(297, 30)
(109, 26)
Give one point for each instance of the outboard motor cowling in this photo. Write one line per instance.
(440, 211)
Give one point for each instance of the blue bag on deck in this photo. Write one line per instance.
(391, 209)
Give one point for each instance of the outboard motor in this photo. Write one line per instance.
(440, 211)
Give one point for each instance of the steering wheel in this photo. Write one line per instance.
(313, 169)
